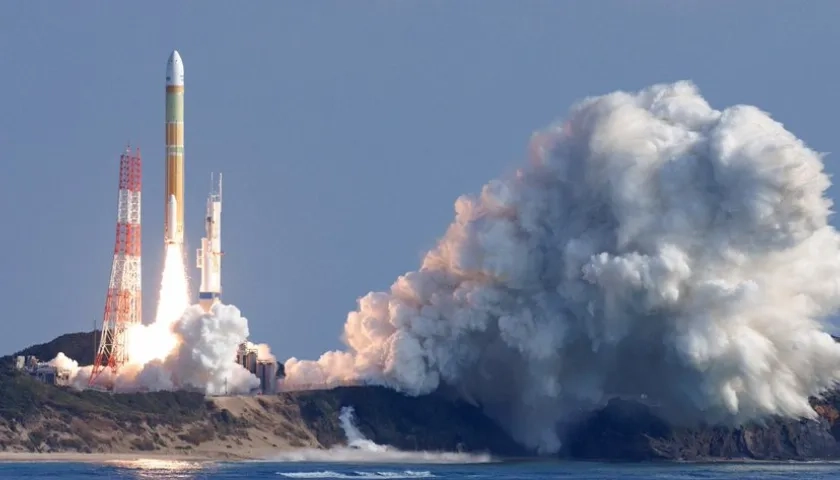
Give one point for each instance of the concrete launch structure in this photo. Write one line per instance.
(174, 190)
(209, 256)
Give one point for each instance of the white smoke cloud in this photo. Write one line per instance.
(63, 362)
(652, 246)
(203, 359)
(263, 351)
(206, 353)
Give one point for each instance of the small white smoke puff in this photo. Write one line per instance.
(653, 246)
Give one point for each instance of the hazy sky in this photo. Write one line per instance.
(345, 130)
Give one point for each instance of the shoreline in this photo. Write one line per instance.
(165, 459)
(100, 457)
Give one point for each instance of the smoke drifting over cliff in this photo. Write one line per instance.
(652, 246)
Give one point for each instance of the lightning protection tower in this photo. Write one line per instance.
(123, 302)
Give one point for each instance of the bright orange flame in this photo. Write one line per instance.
(156, 341)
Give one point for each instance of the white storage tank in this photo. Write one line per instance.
(267, 373)
(251, 362)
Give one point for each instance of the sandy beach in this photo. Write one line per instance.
(18, 457)
(208, 452)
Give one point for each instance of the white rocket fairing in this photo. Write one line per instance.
(209, 256)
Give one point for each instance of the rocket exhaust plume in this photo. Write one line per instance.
(196, 350)
(187, 346)
(652, 246)
(156, 341)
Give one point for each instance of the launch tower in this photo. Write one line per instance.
(123, 301)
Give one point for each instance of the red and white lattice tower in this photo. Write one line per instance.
(123, 302)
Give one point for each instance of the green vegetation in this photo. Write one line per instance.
(198, 434)
(24, 397)
(39, 417)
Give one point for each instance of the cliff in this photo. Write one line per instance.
(42, 418)
(630, 431)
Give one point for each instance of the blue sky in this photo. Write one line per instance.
(345, 130)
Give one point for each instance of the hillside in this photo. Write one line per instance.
(629, 431)
(78, 346)
(40, 418)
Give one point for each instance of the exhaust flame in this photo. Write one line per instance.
(174, 288)
(186, 347)
(156, 341)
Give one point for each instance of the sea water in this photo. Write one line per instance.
(162, 469)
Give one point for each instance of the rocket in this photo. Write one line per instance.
(209, 256)
(174, 188)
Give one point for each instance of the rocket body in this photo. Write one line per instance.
(209, 256)
(174, 188)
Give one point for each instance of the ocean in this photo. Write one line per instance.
(162, 469)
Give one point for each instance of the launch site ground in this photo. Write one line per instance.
(40, 421)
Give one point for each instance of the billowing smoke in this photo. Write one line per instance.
(263, 351)
(203, 359)
(63, 362)
(205, 356)
(653, 247)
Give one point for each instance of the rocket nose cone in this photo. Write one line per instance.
(175, 70)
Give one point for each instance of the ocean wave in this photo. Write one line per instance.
(385, 474)
(354, 455)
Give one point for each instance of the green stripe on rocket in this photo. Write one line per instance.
(175, 107)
